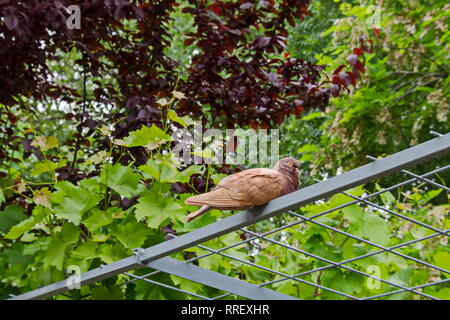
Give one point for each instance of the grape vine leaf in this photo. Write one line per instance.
(10, 216)
(185, 121)
(367, 225)
(38, 214)
(86, 251)
(74, 201)
(157, 209)
(131, 235)
(97, 219)
(122, 179)
(110, 253)
(149, 138)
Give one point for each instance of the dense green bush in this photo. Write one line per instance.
(50, 226)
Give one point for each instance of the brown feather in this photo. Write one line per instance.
(248, 188)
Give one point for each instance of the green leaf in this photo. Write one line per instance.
(347, 282)
(39, 213)
(98, 219)
(185, 121)
(205, 153)
(165, 171)
(121, 179)
(157, 209)
(178, 95)
(43, 197)
(2, 196)
(168, 174)
(131, 235)
(12, 215)
(312, 115)
(100, 237)
(307, 148)
(97, 158)
(386, 197)
(87, 250)
(185, 175)
(147, 137)
(110, 253)
(16, 254)
(442, 259)
(431, 195)
(74, 201)
(70, 233)
(367, 225)
(107, 293)
(151, 168)
(63, 188)
(54, 255)
(45, 143)
(186, 285)
(43, 166)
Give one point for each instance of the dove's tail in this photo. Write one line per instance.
(191, 216)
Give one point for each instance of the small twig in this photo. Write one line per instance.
(317, 293)
(410, 90)
(83, 110)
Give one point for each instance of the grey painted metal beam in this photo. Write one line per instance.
(216, 280)
(374, 170)
(294, 200)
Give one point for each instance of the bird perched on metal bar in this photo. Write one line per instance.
(249, 188)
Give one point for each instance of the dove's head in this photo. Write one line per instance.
(288, 164)
(289, 168)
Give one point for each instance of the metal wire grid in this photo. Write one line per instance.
(300, 219)
(157, 258)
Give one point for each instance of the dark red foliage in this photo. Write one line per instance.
(241, 69)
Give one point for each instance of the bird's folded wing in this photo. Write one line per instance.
(248, 188)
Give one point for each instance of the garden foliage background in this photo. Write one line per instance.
(86, 118)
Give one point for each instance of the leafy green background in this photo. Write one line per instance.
(404, 94)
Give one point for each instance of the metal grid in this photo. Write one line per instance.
(253, 229)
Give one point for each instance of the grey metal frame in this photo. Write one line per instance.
(155, 257)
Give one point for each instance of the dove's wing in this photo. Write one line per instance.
(241, 190)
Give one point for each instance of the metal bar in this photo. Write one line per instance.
(279, 273)
(167, 286)
(377, 169)
(345, 181)
(221, 296)
(369, 254)
(372, 243)
(343, 267)
(396, 214)
(216, 280)
(323, 213)
(213, 251)
(417, 176)
(353, 259)
(415, 287)
(88, 277)
(436, 134)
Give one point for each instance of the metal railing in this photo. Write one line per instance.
(157, 257)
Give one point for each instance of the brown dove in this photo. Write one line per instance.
(249, 188)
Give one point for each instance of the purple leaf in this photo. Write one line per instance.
(11, 21)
